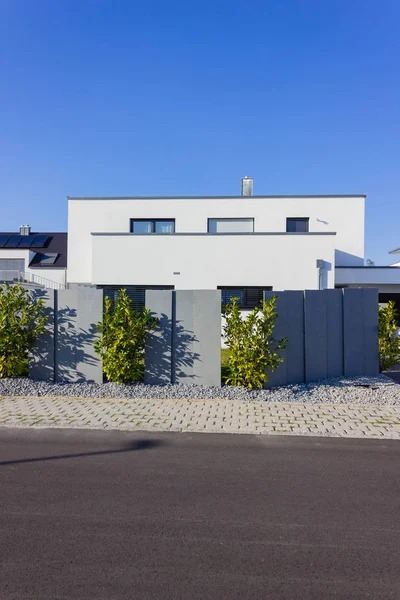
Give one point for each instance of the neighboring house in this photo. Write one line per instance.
(395, 251)
(385, 278)
(34, 257)
(240, 244)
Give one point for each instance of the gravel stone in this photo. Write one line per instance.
(378, 390)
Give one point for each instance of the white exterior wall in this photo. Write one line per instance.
(368, 276)
(343, 215)
(205, 262)
(55, 275)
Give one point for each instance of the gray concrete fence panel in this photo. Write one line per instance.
(290, 324)
(197, 337)
(158, 355)
(41, 361)
(316, 335)
(77, 313)
(334, 324)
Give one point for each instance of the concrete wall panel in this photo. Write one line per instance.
(77, 313)
(316, 335)
(41, 361)
(158, 355)
(290, 324)
(370, 342)
(197, 337)
(334, 324)
(360, 330)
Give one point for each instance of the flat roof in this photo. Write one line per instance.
(211, 197)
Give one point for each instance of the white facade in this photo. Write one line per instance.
(386, 279)
(101, 249)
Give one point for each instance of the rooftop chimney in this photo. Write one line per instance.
(25, 230)
(247, 186)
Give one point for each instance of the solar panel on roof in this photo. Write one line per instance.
(25, 241)
(3, 240)
(13, 241)
(39, 241)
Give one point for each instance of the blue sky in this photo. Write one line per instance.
(121, 97)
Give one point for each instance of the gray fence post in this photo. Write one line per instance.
(186, 346)
(158, 352)
(360, 331)
(197, 337)
(78, 311)
(41, 359)
(290, 324)
(323, 317)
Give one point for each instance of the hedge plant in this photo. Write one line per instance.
(22, 320)
(389, 343)
(123, 333)
(252, 346)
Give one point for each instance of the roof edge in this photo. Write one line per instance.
(213, 197)
(205, 233)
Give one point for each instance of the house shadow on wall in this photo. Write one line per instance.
(171, 355)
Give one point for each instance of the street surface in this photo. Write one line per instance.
(132, 515)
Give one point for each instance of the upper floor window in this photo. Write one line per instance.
(231, 225)
(297, 224)
(152, 225)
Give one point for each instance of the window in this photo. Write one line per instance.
(231, 225)
(152, 225)
(297, 225)
(137, 293)
(248, 297)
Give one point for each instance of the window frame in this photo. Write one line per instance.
(153, 225)
(136, 293)
(229, 219)
(244, 289)
(302, 219)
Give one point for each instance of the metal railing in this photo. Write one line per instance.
(14, 276)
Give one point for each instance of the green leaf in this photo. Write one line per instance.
(123, 334)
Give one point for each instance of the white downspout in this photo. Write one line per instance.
(320, 267)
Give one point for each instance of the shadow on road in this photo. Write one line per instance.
(139, 445)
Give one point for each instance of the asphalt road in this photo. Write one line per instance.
(109, 515)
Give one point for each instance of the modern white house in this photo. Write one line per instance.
(241, 244)
(34, 257)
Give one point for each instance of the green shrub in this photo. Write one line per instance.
(22, 320)
(252, 348)
(389, 344)
(123, 334)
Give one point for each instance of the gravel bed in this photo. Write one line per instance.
(340, 390)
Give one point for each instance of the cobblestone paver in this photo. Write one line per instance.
(203, 415)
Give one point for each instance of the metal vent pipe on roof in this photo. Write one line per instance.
(25, 230)
(247, 186)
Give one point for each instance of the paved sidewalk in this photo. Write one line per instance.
(203, 416)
